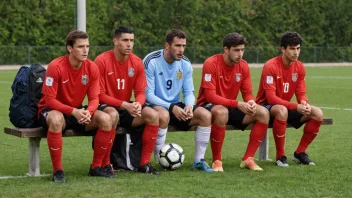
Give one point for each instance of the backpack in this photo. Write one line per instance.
(26, 93)
(127, 149)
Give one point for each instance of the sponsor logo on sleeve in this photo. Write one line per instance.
(207, 77)
(49, 81)
(269, 80)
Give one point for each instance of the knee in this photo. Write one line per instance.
(164, 118)
(204, 117)
(151, 117)
(220, 116)
(318, 114)
(262, 115)
(104, 121)
(55, 121)
(281, 112)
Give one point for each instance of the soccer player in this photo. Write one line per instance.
(121, 72)
(168, 72)
(282, 77)
(223, 76)
(67, 81)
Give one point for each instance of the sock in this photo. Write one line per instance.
(55, 149)
(106, 160)
(309, 133)
(217, 137)
(279, 130)
(201, 139)
(150, 134)
(160, 141)
(255, 138)
(101, 143)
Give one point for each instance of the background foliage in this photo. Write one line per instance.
(323, 24)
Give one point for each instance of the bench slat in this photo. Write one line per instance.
(40, 132)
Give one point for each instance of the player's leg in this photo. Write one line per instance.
(202, 119)
(259, 129)
(164, 119)
(103, 122)
(55, 123)
(313, 122)
(279, 115)
(220, 116)
(106, 165)
(151, 119)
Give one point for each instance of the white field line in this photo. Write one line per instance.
(337, 108)
(330, 87)
(26, 176)
(331, 77)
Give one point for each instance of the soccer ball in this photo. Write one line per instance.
(171, 156)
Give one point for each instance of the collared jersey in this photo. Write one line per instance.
(118, 79)
(225, 80)
(69, 86)
(283, 82)
(165, 81)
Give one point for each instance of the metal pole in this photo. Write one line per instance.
(81, 15)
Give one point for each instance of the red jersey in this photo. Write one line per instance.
(278, 83)
(65, 88)
(117, 79)
(221, 83)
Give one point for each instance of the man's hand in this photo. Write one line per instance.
(246, 108)
(179, 113)
(304, 108)
(134, 109)
(253, 106)
(189, 110)
(83, 116)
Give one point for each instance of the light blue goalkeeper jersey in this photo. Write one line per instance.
(165, 81)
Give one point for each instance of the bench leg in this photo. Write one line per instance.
(33, 156)
(264, 147)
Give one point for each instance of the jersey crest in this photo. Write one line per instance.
(238, 77)
(130, 72)
(294, 77)
(179, 75)
(84, 79)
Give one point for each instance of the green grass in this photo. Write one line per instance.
(330, 151)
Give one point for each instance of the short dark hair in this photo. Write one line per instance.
(122, 29)
(73, 36)
(233, 39)
(290, 39)
(175, 33)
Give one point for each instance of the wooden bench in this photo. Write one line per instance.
(36, 134)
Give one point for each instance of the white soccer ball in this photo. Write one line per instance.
(171, 156)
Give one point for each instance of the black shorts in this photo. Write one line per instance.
(236, 116)
(70, 121)
(178, 124)
(293, 118)
(125, 118)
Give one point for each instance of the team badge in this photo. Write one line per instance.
(294, 77)
(238, 77)
(130, 72)
(179, 75)
(84, 79)
(207, 77)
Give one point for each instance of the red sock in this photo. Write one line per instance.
(255, 138)
(106, 160)
(279, 130)
(217, 137)
(55, 149)
(101, 143)
(149, 136)
(309, 133)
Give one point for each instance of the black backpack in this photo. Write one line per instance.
(26, 93)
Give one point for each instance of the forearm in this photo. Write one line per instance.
(213, 98)
(54, 104)
(105, 99)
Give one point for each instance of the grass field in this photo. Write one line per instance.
(328, 87)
